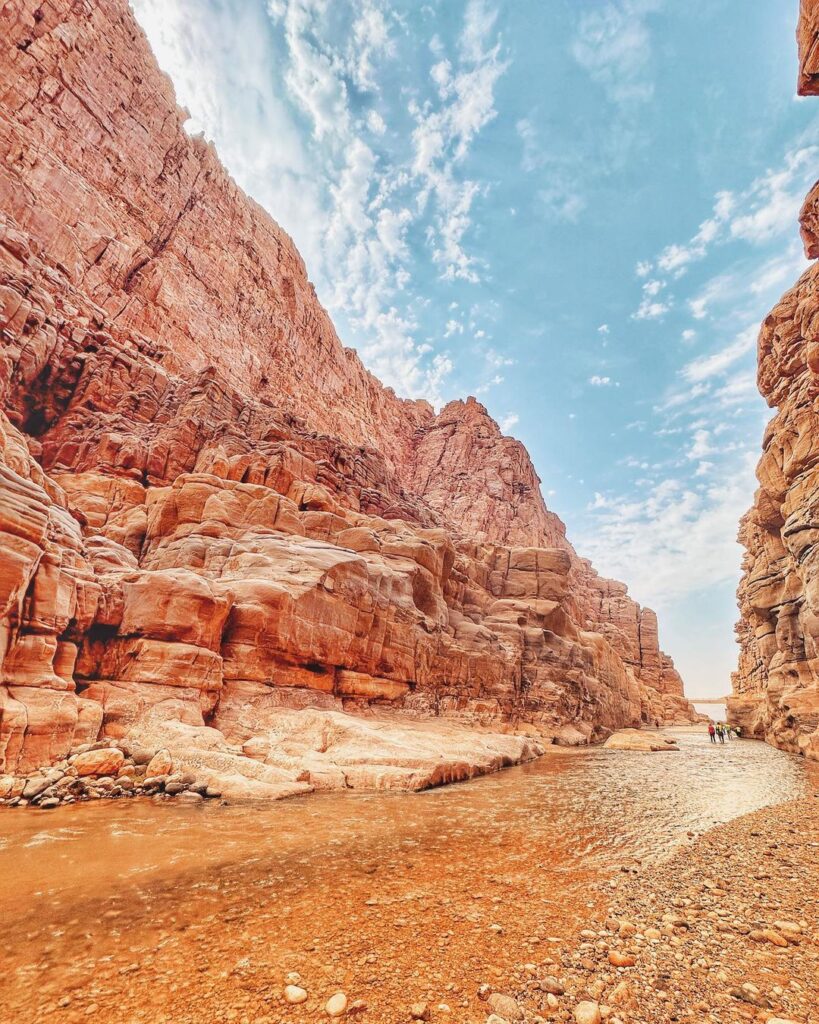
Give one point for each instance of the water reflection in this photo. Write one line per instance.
(591, 802)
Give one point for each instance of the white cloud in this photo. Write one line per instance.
(562, 168)
(488, 385)
(766, 209)
(643, 269)
(651, 307)
(371, 41)
(532, 156)
(688, 335)
(673, 541)
(741, 388)
(771, 204)
(780, 271)
(453, 327)
(313, 76)
(479, 22)
(712, 365)
(613, 45)
(508, 421)
(674, 259)
(700, 445)
(678, 399)
(562, 201)
(495, 358)
(648, 310)
(600, 382)
(749, 279)
(444, 132)
(561, 198)
(254, 74)
(603, 329)
(375, 122)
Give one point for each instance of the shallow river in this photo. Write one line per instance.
(156, 912)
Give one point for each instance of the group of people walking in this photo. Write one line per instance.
(720, 731)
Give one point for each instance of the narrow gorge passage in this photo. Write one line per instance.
(311, 705)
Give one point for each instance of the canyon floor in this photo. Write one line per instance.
(518, 882)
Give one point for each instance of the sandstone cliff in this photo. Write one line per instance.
(776, 686)
(210, 510)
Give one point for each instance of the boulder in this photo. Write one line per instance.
(105, 761)
(637, 739)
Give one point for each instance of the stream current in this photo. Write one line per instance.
(156, 912)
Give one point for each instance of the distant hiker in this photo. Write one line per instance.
(712, 732)
(720, 732)
(727, 730)
(738, 731)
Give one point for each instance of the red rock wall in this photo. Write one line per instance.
(807, 38)
(209, 508)
(776, 685)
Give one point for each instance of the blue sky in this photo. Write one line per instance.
(577, 210)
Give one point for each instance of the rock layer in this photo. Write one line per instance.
(776, 685)
(210, 511)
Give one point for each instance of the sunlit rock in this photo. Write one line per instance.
(211, 513)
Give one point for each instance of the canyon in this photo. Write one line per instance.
(234, 568)
(219, 533)
(776, 685)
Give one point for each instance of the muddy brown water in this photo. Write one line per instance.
(160, 912)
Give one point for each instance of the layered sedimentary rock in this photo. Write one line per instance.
(807, 38)
(212, 515)
(776, 686)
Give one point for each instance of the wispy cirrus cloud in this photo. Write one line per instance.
(300, 122)
(561, 197)
(715, 363)
(444, 130)
(767, 209)
(614, 46)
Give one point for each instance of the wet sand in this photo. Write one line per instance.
(154, 912)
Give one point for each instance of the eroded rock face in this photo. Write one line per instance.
(776, 686)
(807, 37)
(210, 513)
